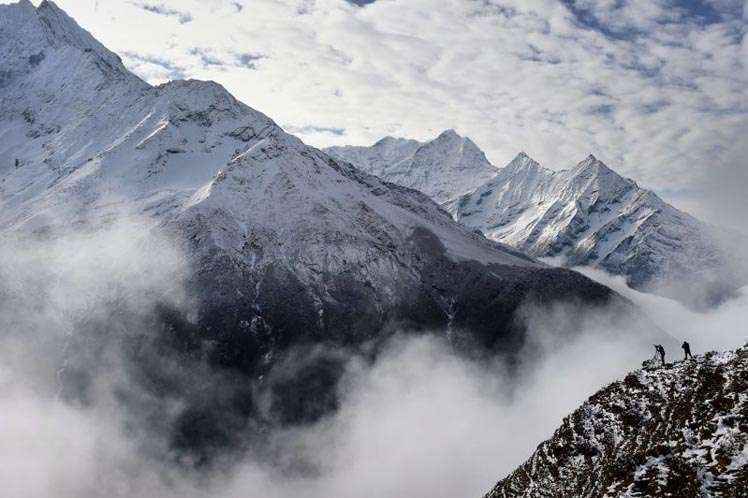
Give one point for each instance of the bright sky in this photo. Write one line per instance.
(654, 88)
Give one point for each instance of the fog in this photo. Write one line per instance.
(723, 327)
(419, 422)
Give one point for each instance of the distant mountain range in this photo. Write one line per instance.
(681, 430)
(289, 249)
(443, 169)
(586, 215)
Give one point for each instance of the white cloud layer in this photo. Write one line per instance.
(419, 422)
(656, 88)
(719, 329)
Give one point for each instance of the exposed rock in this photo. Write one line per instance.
(679, 431)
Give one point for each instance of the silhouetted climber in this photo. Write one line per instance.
(687, 351)
(661, 351)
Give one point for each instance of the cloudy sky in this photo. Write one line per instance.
(655, 88)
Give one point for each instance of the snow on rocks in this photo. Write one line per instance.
(680, 431)
(590, 215)
(584, 216)
(443, 168)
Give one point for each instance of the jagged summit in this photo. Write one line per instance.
(63, 29)
(443, 168)
(390, 141)
(449, 134)
(31, 32)
(591, 166)
(679, 431)
(591, 215)
(521, 162)
(585, 215)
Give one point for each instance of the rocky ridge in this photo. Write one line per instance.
(679, 430)
(587, 215)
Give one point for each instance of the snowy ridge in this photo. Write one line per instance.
(443, 168)
(680, 430)
(590, 215)
(83, 135)
(586, 215)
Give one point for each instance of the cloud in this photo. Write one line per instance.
(361, 3)
(418, 421)
(718, 329)
(206, 57)
(249, 60)
(162, 10)
(315, 130)
(153, 68)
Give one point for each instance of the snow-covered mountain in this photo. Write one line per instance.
(590, 215)
(586, 215)
(287, 246)
(681, 430)
(444, 168)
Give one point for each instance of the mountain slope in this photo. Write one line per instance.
(290, 252)
(587, 215)
(443, 168)
(678, 431)
(590, 215)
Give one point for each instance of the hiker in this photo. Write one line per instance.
(661, 351)
(687, 351)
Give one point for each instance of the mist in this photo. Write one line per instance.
(420, 421)
(720, 328)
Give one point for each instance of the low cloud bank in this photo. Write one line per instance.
(717, 329)
(420, 421)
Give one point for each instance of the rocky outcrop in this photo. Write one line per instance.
(679, 430)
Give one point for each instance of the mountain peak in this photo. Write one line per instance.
(25, 4)
(30, 35)
(390, 140)
(522, 157)
(52, 11)
(384, 140)
(522, 162)
(49, 4)
(593, 166)
(442, 168)
(588, 161)
(449, 134)
(64, 29)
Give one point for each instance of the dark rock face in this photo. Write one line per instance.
(678, 431)
(261, 355)
(428, 291)
(293, 342)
